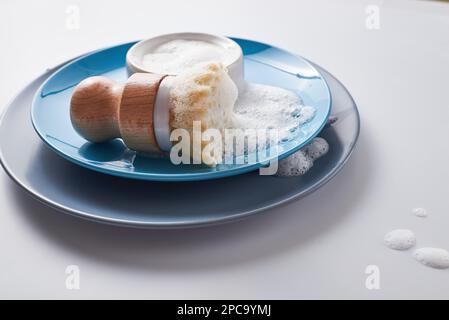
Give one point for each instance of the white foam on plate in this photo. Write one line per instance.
(301, 161)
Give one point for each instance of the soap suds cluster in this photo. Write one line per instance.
(272, 108)
(420, 212)
(206, 93)
(200, 93)
(432, 257)
(175, 56)
(402, 239)
(267, 107)
(203, 93)
(301, 161)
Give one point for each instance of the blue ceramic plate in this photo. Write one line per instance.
(263, 64)
(91, 195)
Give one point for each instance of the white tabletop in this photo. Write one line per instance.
(395, 65)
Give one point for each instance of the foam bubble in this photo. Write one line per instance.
(400, 239)
(296, 164)
(432, 257)
(317, 148)
(420, 212)
(301, 161)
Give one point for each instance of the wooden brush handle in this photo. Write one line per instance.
(94, 108)
(102, 109)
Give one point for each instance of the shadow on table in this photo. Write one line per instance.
(262, 236)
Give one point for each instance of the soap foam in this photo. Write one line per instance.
(271, 108)
(400, 239)
(257, 107)
(420, 212)
(173, 57)
(203, 93)
(432, 257)
(301, 161)
(267, 107)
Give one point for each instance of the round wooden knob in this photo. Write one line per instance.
(102, 109)
(94, 108)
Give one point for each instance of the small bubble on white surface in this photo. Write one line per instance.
(400, 239)
(432, 257)
(420, 212)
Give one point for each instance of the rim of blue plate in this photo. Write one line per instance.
(197, 176)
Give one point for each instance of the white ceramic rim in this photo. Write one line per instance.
(136, 52)
(235, 67)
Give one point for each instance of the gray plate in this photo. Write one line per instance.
(120, 201)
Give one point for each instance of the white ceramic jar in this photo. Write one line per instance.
(227, 50)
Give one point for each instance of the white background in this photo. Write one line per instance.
(318, 247)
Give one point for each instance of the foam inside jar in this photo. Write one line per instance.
(175, 56)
